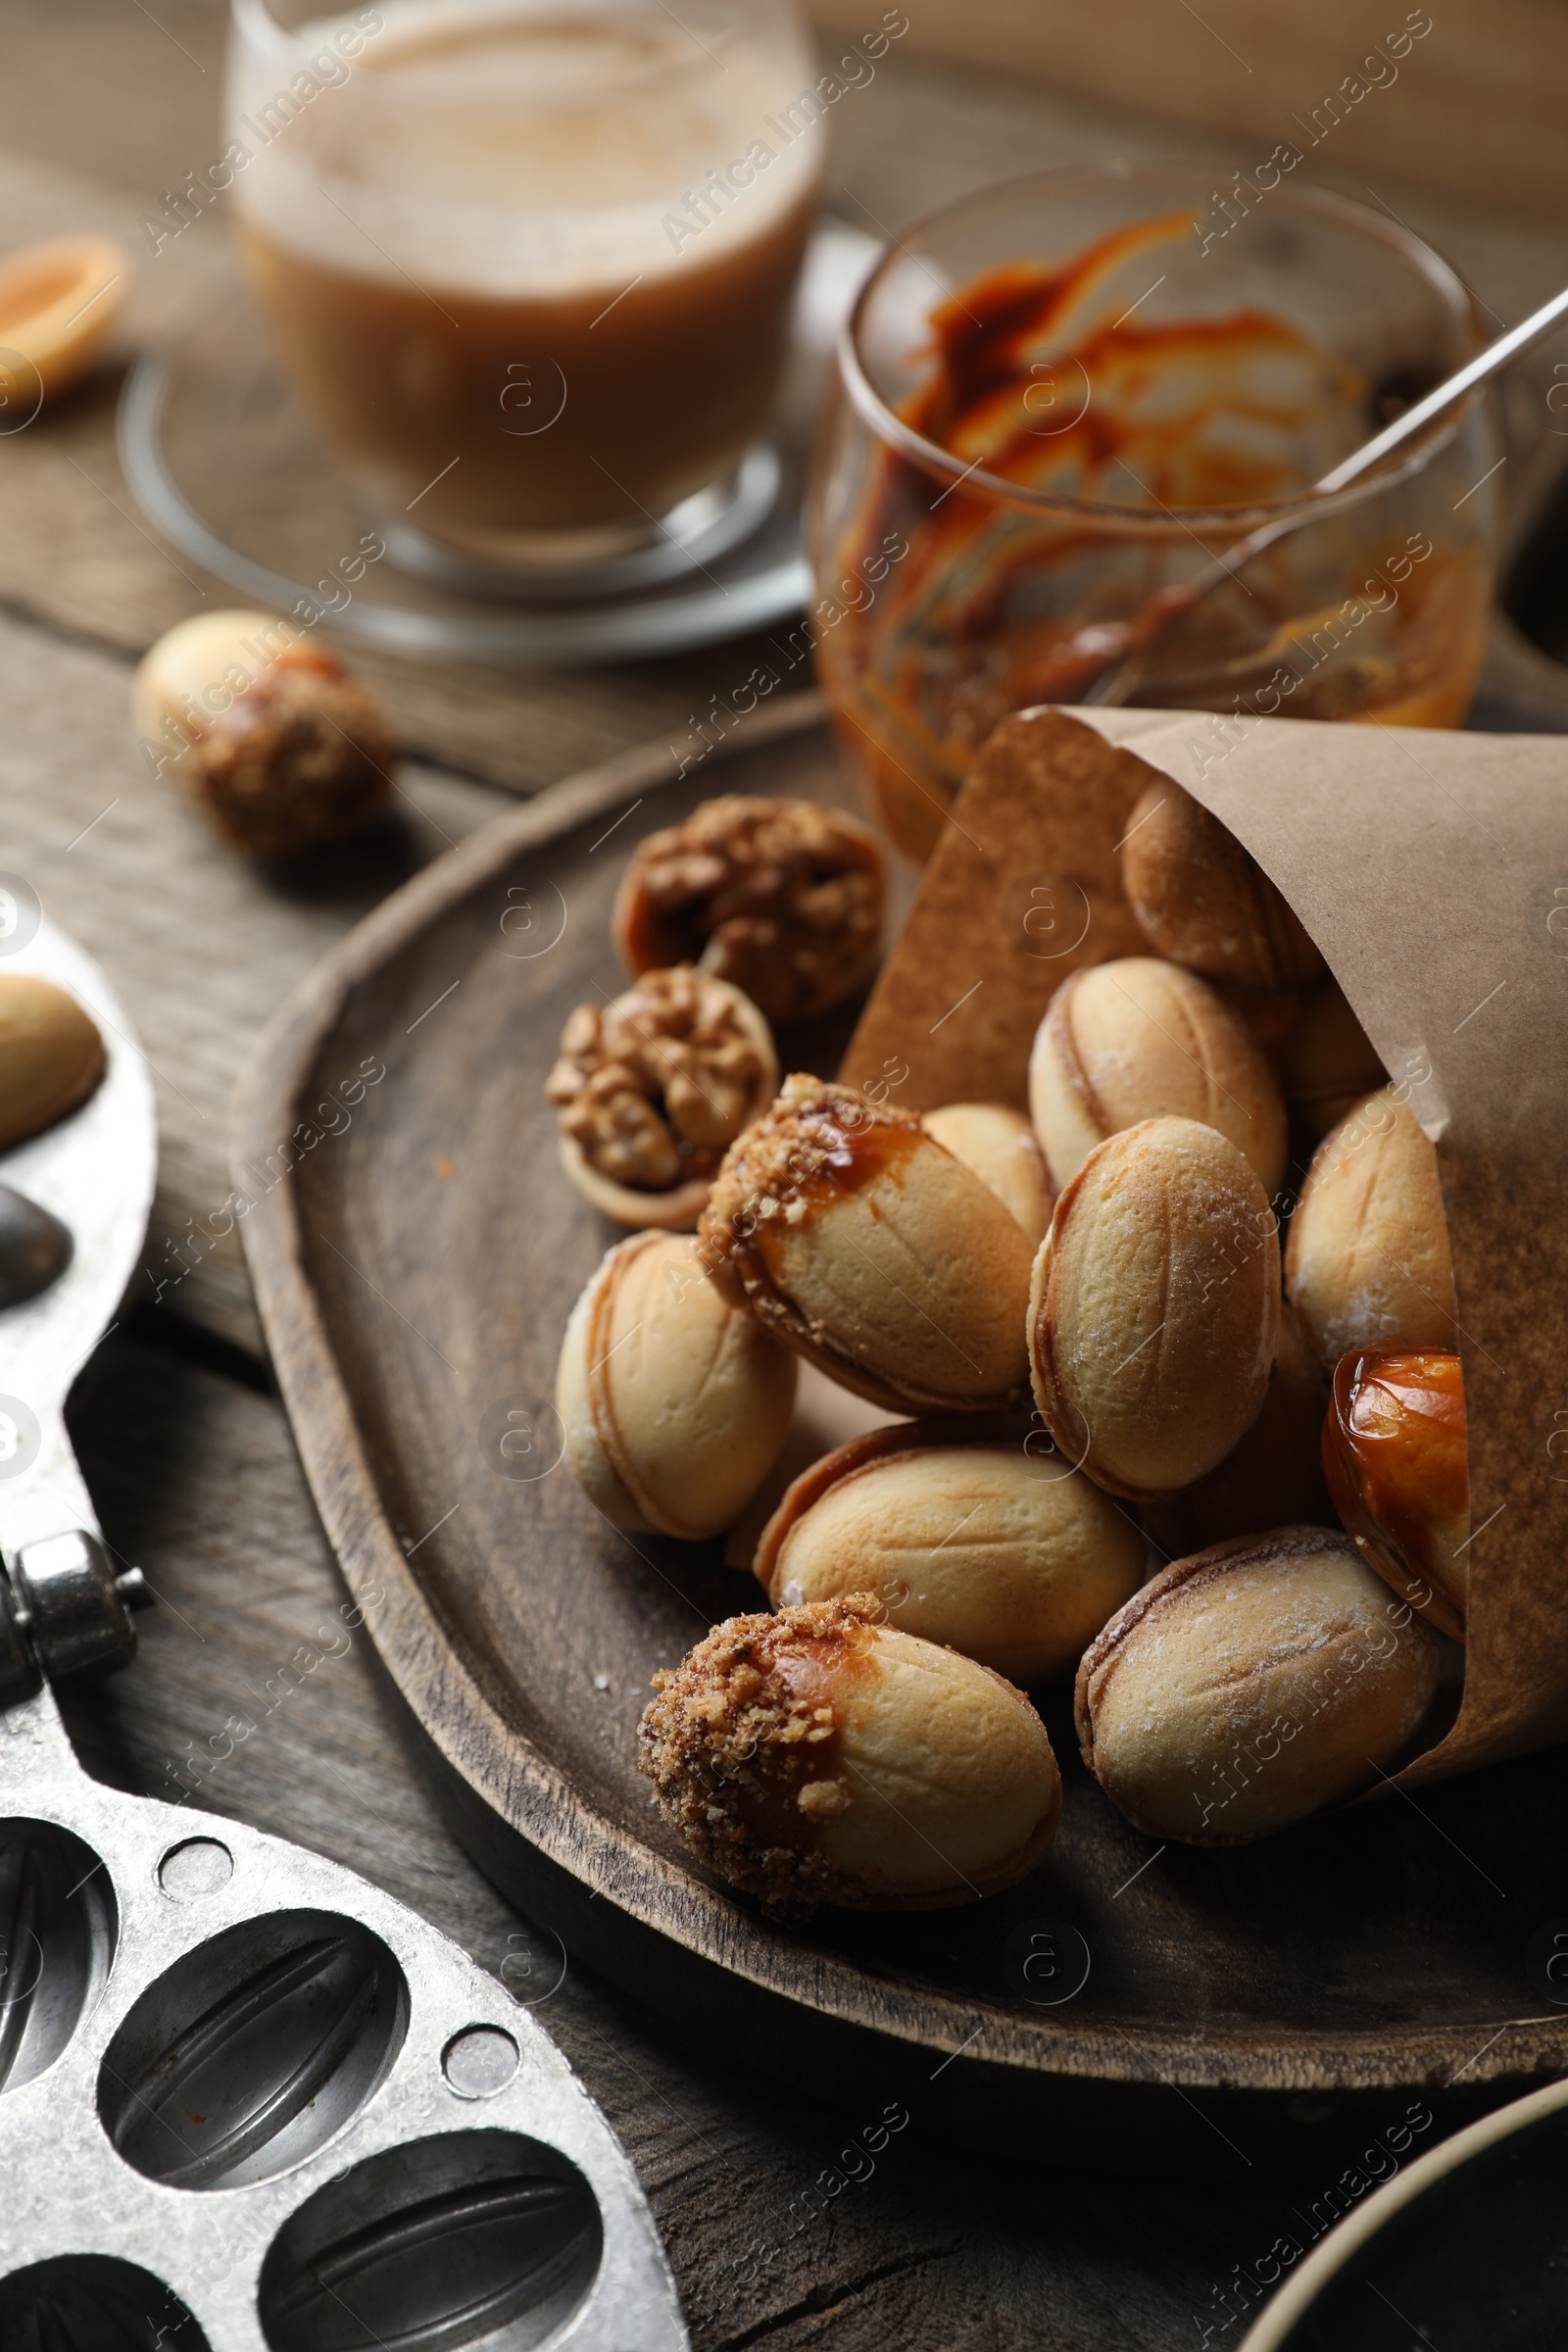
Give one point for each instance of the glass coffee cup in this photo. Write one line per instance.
(530, 268)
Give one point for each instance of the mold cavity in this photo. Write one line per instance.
(253, 2051)
(190, 1872)
(469, 2238)
(479, 2061)
(94, 2303)
(57, 1939)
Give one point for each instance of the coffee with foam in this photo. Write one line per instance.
(542, 253)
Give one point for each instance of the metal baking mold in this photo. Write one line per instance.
(297, 2116)
(248, 2102)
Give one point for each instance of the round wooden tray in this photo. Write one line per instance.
(416, 1251)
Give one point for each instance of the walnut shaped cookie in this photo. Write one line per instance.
(820, 1755)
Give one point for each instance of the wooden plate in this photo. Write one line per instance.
(415, 1267)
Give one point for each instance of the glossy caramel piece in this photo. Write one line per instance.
(1393, 1454)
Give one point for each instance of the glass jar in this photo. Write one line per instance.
(1059, 397)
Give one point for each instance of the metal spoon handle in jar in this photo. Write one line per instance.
(1479, 370)
(1143, 632)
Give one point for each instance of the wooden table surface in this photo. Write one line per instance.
(181, 1436)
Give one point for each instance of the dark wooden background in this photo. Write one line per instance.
(104, 105)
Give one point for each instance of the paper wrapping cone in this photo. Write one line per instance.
(1432, 870)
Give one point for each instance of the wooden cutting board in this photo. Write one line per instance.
(415, 1266)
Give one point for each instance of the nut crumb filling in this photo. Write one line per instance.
(742, 1742)
(295, 763)
(782, 898)
(816, 1142)
(653, 1087)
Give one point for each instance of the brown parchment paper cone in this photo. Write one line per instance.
(1432, 870)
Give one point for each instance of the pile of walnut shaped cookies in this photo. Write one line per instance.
(1222, 1485)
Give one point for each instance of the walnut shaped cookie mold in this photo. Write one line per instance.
(251, 2096)
(190, 2006)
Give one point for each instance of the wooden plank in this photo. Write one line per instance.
(131, 94)
(197, 1477)
(784, 2230)
(1456, 103)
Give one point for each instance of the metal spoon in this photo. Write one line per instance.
(1107, 657)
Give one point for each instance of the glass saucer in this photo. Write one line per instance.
(222, 459)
